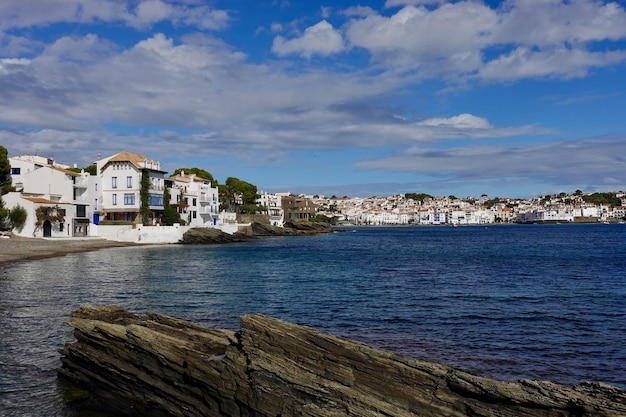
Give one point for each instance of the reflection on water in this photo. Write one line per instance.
(534, 302)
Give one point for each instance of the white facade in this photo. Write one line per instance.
(49, 186)
(196, 198)
(48, 228)
(118, 197)
(273, 207)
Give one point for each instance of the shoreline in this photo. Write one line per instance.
(15, 249)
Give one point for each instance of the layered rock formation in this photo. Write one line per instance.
(159, 365)
(205, 235)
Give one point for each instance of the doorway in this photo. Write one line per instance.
(47, 229)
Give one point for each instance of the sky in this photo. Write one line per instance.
(515, 98)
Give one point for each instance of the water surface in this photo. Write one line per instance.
(507, 302)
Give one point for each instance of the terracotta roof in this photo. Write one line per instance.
(65, 171)
(40, 200)
(187, 178)
(134, 158)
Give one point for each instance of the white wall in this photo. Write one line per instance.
(139, 233)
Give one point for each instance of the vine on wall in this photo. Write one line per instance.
(53, 214)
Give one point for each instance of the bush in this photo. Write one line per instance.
(17, 217)
(170, 216)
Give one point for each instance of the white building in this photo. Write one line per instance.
(196, 198)
(118, 196)
(54, 198)
(273, 207)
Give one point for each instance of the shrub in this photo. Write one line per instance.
(17, 217)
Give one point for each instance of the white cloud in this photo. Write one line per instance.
(555, 22)
(321, 39)
(465, 121)
(398, 3)
(567, 162)
(416, 34)
(25, 13)
(453, 40)
(561, 62)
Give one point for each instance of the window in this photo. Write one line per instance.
(113, 182)
(129, 199)
(195, 202)
(15, 171)
(81, 211)
(156, 200)
(96, 184)
(114, 199)
(129, 182)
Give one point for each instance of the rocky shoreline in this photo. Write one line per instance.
(20, 249)
(159, 365)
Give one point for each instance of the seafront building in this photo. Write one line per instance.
(46, 187)
(195, 198)
(64, 203)
(118, 186)
(399, 210)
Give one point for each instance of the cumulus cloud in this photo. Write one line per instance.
(560, 62)
(320, 39)
(87, 94)
(456, 40)
(25, 13)
(466, 121)
(566, 162)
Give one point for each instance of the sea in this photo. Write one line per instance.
(509, 302)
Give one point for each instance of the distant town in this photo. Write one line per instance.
(128, 197)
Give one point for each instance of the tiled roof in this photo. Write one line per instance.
(134, 158)
(65, 171)
(187, 178)
(39, 200)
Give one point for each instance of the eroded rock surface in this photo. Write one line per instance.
(159, 365)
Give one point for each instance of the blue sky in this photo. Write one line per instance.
(511, 99)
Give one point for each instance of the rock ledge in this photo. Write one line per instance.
(158, 365)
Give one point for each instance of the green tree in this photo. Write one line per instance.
(417, 197)
(4, 214)
(239, 196)
(91, 169)
(492, 202)
(17, 217)
(5, 182)
(603, 198)
(197, 172)
(144, 195)
(170, 216)
(5, 172)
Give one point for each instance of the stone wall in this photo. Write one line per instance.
(162, 366)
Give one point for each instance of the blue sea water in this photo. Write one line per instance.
(508, 302)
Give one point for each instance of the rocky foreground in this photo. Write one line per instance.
(161, 366)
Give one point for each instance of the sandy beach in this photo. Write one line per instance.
(19, 249)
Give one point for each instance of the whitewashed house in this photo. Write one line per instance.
(54, 198)
(196, 198)
(273, 207)
(118, 197)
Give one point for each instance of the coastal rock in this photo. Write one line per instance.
(257, 229)
(307, 227)
(159, 365)
(207, 235)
